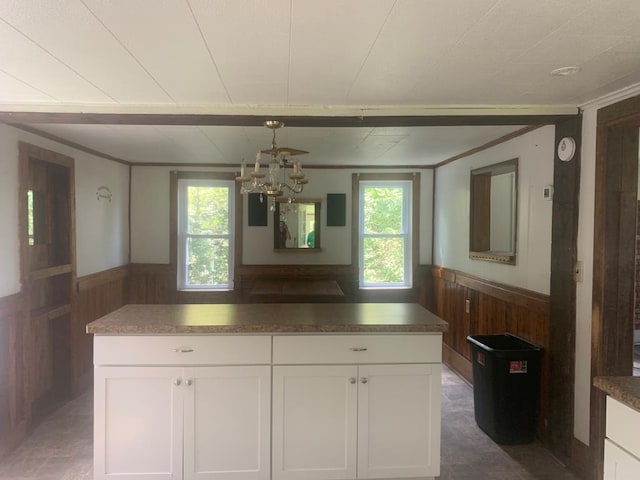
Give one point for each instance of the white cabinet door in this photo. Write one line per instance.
(399, 421)
(314, 422)
(619, 464)
(227, 423)
(137, 423)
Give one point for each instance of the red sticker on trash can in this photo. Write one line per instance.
(480, 358)
(518, 366)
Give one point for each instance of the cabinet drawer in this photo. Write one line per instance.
(328, 349)
(181, 350)
(623, 425)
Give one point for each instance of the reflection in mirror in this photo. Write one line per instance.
(494, 203)
(296, 224)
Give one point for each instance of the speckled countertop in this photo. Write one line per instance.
(623, 389)
(268, 318)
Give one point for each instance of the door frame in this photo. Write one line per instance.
(613, 256)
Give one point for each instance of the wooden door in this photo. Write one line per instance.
(47, 233)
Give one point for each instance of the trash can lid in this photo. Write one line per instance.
(506, 342)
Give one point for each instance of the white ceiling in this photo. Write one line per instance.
(319, 57)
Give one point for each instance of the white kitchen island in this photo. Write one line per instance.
(267, 391)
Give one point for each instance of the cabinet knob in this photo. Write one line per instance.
(358, 349)
(364, 380)
(352, 380)
(189, 382)
(177, 382)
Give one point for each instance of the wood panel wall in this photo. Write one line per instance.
(156, 283)
(475, 306)
(13, 411)
(96, 295)
(22, 356)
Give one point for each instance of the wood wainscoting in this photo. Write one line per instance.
(472, 305)
(13, 411)
(322, 282)
(96, 295)
(156, 283)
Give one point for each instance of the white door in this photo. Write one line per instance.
(137, 423)
(399, 421)
(227, 423)
(314, 422)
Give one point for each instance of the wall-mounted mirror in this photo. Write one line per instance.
(493, 212)
(296, 225)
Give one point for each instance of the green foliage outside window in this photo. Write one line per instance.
(30, 217)
(208, 243)
(384, 240)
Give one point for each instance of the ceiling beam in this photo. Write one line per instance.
(290, 121)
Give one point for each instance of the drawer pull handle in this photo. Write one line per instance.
(352, 380)
(364, 380)
(184, 350)
(177, 382)
(189, 382)
(358, 349)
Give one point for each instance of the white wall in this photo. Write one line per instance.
(535, 170)
(9, 245)
(584, 293)
(150, 220)
(101, 227)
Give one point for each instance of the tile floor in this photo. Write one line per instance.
(61, 447)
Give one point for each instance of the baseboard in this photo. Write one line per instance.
(457, 362)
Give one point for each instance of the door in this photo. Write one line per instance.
(47, 251)
(138, 423)
(314, 422)
(227, 423)
(399, 421)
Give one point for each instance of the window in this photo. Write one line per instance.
(205, 233)
(386, 222)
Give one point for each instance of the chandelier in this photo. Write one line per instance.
(274, 183)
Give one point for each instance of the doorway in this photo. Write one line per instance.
(614, 256)
(47, 250)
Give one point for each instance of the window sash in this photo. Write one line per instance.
(183, 236)
(405, 234)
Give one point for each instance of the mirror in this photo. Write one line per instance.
(296, 224)
(493, 208)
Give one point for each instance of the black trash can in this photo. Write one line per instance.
(506, 385)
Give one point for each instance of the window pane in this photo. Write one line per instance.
(30, 217)
(383, 260)
(208, 210)
(207, 261)
(383, 210)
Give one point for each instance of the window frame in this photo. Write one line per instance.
(178, 241)
(412, 212)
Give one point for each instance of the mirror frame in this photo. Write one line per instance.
(276, 224)
(480, 215)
